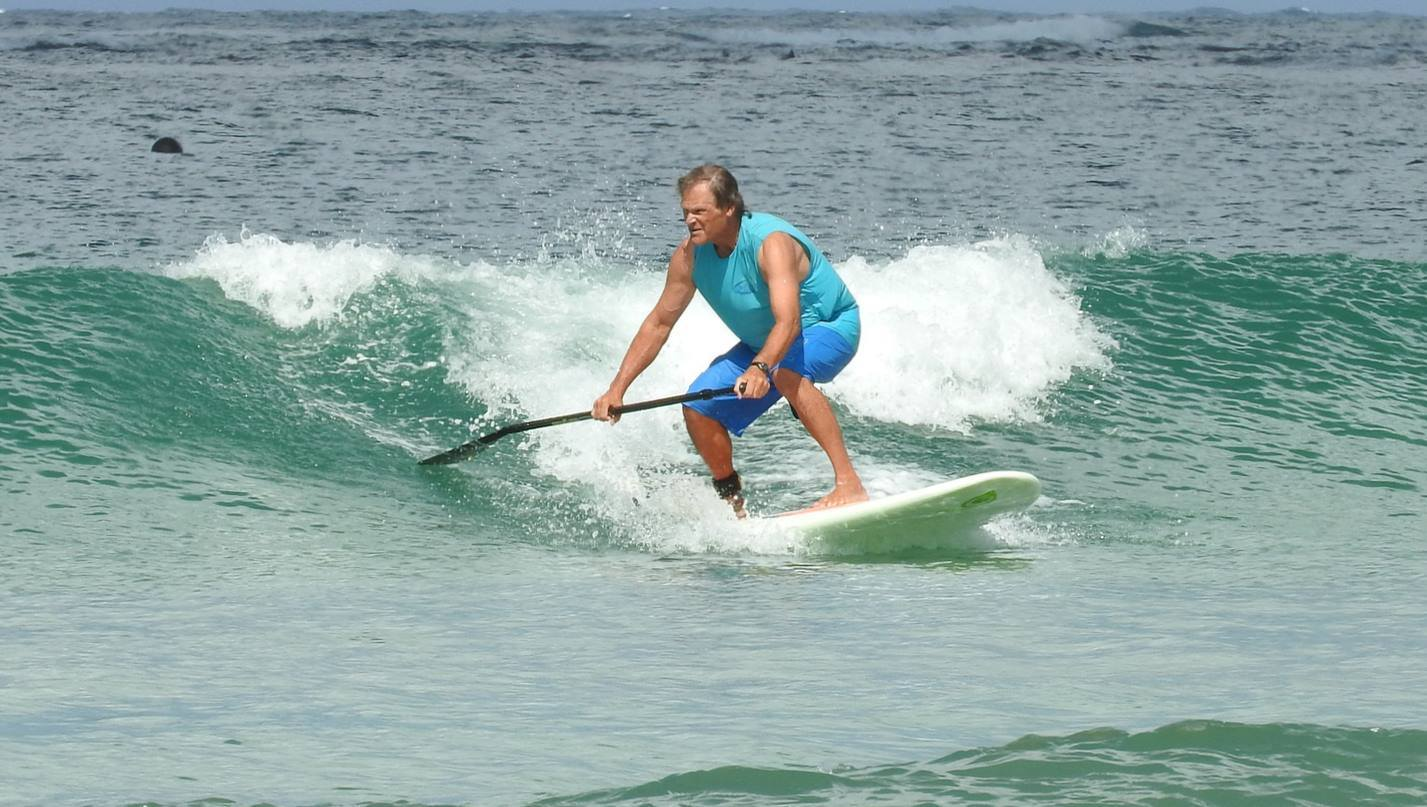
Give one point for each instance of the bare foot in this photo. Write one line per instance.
(842, 494)
(739, 505)
(739, 510)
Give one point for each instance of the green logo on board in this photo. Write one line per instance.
(987, 497)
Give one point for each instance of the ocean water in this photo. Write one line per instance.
(1173, 266)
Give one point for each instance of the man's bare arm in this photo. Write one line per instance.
(784, 264)
(654, 332)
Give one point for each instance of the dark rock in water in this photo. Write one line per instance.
(166, 145)
(789, 55)
(1144, 29)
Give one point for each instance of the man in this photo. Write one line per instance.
(796, 322)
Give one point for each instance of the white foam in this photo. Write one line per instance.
(547, 341)
(1119, 243)
(294, 284)
(953, 334)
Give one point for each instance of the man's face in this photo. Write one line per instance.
(702, 215)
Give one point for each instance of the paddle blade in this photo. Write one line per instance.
(457, 454)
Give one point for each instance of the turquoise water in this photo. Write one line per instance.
(226, 579)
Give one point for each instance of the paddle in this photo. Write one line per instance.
(470, 449)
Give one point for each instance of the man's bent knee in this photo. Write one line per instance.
(787, 381)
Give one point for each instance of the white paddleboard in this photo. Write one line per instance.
(945, 515)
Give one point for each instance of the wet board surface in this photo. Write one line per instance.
(945, 515)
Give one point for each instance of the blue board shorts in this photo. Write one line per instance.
(817, 354)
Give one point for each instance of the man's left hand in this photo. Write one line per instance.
(754, 383)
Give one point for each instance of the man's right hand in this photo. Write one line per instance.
(603, 405)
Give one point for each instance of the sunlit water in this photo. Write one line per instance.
(1180, 278)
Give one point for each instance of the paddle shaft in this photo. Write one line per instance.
(468, 449)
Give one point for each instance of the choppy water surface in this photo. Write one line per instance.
(1173, 266)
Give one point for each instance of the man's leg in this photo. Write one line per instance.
(821, 422)
(710, 421)
(713, 443)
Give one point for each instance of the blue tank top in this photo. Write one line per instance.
(737, 292)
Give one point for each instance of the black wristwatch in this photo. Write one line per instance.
(764, 367)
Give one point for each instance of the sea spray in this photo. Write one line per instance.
(957, 334)
(953, 335)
